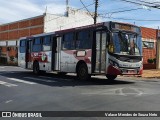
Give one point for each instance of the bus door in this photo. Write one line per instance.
(100, 51)
(28, 53)
(56, 49)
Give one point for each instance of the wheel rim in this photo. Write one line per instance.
(82, 72)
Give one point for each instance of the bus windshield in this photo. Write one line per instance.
(126, 43)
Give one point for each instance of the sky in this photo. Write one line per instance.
(14, 10)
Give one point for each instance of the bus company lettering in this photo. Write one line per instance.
(14, 114)
(34, 115)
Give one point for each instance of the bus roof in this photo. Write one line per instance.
(39, 35)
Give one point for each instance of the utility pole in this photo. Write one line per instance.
(95, 13)
(158, 50)
(67, 7)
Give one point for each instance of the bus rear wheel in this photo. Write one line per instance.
(82, 72)
(36, 68)
(111, 77)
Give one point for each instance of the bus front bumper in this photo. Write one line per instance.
(113, 70)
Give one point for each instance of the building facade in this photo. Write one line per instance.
(11, 32)
(149, 41)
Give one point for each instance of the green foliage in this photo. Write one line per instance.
(151, 60)
(154, 60)
(12, 58)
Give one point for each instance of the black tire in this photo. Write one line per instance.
(36, 68)
(111, 77)
(82, 72)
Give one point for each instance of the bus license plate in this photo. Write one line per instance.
(131, 72)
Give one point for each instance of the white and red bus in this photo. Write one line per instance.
(108, 48)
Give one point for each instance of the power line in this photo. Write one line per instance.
(135, 2)
(123, 11)
(147, 20)
(146, 2)
(95, 13)
(85, 7)
(119, 8)
(141, 4)
(155, 4)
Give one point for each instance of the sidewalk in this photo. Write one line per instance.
(147, 75)
(152, 73)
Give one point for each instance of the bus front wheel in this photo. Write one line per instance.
(36, 68)
(111, 77)
(82, 72)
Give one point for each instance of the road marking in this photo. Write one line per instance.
(140, 93)
(120, 91)
(8, 101)
(7, 84)
(38, 79)
(22, 81)
(116, 91)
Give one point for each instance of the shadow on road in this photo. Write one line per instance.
(60, 81)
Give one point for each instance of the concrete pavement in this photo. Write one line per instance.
(152, 73)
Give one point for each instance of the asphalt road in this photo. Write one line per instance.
(20, 90)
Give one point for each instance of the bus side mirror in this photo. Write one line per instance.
(111, 48)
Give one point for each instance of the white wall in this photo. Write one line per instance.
(3, 43)
(12, 43)
(76, 18)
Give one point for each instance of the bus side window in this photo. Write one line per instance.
(68, 41)
(37, 44)
(22, 46)
(47, 43)
(83, 40)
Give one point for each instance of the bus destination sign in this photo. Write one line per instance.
(123, 27)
